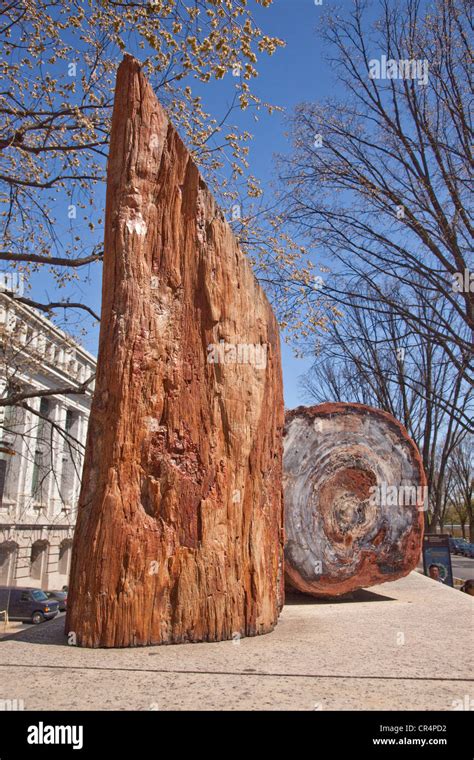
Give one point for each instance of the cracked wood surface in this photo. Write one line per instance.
(354, 490)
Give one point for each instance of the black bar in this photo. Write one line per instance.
(156, 734)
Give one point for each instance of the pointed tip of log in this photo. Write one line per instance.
(130, 59)
(129, 65)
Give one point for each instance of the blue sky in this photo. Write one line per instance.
(294, 73)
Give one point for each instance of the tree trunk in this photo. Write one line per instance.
(354, 489)
(179, 532)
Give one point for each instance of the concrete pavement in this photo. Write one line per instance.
(402, 645)
(463, 567)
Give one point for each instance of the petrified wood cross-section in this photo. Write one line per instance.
(354, 490)
(179, 534)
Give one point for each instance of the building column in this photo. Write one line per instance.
(82, 424)
(26, 453)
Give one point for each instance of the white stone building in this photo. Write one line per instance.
(40, 465)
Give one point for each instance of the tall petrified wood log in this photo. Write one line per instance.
(354, 491)
(179, 534)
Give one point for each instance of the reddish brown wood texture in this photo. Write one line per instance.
(179, 534)
(355, 490)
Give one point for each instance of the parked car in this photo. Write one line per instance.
(456, 545)
(60, 597)
(30, 605)
(467, 550)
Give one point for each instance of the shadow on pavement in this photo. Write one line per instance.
(362, 595)
(50, 632)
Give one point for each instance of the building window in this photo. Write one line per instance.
(8, 430)
(3, 474)
(68, 468)
(65, 557)
(40, 467)
(39, 560)
(70, 419)
(8, 559)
